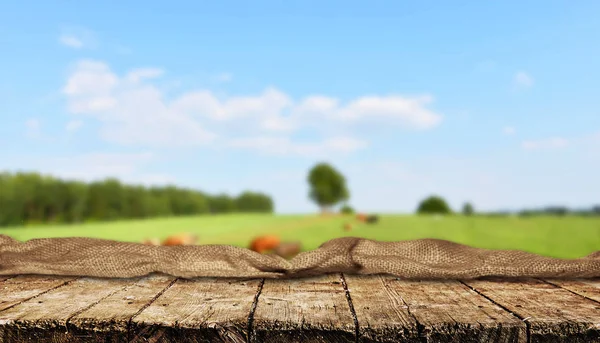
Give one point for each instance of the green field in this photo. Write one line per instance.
(566, 237)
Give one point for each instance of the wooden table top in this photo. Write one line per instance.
(330, 308)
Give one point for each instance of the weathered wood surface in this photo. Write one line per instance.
(390, 310)
(552, 313)
(330, 308)
(303, 310)
(204, 310)
(585, 288)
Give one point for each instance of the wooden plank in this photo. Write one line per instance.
(303, 310)
(588, 288)
(391, 310)
(109, 319)
(381, 314)
(552, 314)
(198, 310)
(15, 290)
(45, 318)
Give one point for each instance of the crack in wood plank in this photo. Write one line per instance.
(552, 314)
(589, 289)
(94, 303)
(354, 317)
(251, 334)
(528, 338)
(373, 307)
(129, 330)
(41, 318)
(330, 308)
(313, 309)
(26, 287)
(198, 310)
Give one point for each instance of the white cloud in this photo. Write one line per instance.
(134, 111)
(284, 146)
(509, 130)
(71, 41)
(268, 105)
(33, 127)
(523, 80)
(91, 78)
(73, 125)
(410, 112)
(549, 143)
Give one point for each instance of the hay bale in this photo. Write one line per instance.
(151, 241)
(288, 249)
(180, 239)
(361, 217)
(265, 243)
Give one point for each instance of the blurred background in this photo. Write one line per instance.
(277, 126)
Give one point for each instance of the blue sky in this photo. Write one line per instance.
(496, 103)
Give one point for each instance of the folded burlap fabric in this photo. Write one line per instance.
(416, 259)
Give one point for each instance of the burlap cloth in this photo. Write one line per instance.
(416, 259)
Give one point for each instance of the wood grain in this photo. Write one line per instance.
(198, 310)
(45, 318)
(303, 310)
(113, 313)
(588, 288)
(330, 308)
(443, 311)
(552, 314)
(381, 313)
(14, 291)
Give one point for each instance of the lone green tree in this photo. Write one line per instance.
(346, 209)
(467, 209)
(327, 186)
(433, 205)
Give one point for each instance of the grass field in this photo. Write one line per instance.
(565, 237)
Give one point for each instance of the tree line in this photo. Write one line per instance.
(437, 205)
(32, 198)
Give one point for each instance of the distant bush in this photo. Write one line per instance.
(496, 214)
(558, 211)
(467, 209)
(254, 202)
(433, 205)
(347, 209)
(372, 219)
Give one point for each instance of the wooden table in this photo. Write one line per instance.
(331, 308)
